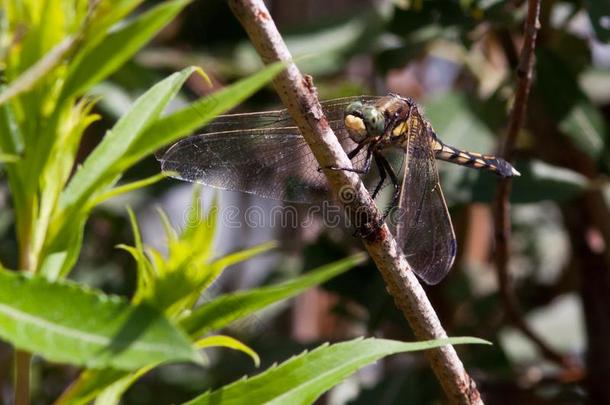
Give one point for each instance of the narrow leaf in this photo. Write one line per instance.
(69, 324)
(228, 342)
(176, 125)
(112, 394)
(126, 188)
(8, 158)
(11, 138)
(217, 267)
(12, 144)
(230, 307)
(302, 379)
(107, 13)
(90, 384)
(101, 164)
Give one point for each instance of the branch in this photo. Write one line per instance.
(502, 207)
(299, 96)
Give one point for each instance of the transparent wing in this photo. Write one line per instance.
(423, 225)
(258, 153)
(333, 109)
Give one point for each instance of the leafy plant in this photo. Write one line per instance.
(53, 54)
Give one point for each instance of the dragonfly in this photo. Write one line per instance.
(265, 154)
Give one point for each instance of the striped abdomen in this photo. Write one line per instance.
(474, 160)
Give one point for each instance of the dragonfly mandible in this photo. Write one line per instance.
(265, 154)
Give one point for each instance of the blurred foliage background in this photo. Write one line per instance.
(458, 59)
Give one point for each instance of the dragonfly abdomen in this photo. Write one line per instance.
(474, 160)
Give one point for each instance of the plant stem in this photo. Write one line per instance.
(525, 69)
(22, 377)
(298, 95)
(22, 358)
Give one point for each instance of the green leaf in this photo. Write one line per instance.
(176, 125)
(121, 44)
(101, 165)
(11, 138)
(39, 70)
(218, 266)
(126, 188)
(91, 383)
(107, 13)
(12, 144)
(65, 249)
(66, 323)
(302, 379)
(109, 385)
(227, 308)
(228, 342)
(112, 394)
(8, 158)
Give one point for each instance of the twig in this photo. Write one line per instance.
(501, 217)
(298, 95)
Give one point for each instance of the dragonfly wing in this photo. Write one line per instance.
(259, 153)
(333, 110)
(422, 221)
(269, 163)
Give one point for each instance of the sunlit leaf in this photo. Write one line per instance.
(113, 393)
(228, 342)
(8, 158)
(67, 323)
(183, 122)
(126, 188)
(90, 384)
(30, 77)
(302, 379)
(120, 45)
(101, 164)
(228, 308)
(107, 13)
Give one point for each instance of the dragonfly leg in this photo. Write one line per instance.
(393, 178)
(356, 150)
(351, 155)
(382, 175)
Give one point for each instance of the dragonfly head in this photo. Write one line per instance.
(363, 121)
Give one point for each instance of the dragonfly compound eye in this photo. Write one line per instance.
(374, 120)
(354, 108)
(354, 123)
